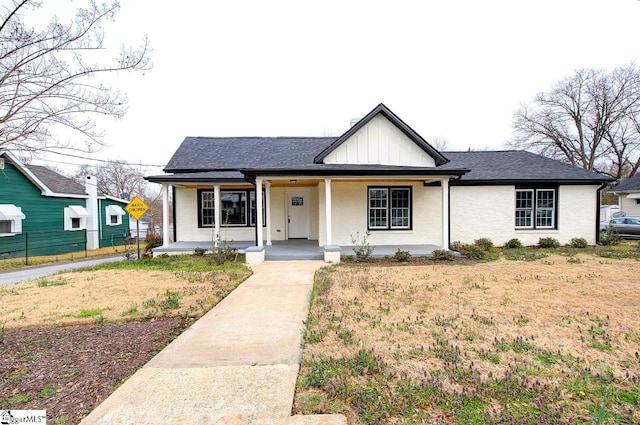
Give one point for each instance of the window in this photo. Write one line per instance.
(75, 217)
(236, 211)
(253, 208)
(535, 209)
(389, 208)
(207, 213)
(114, 215)
(10, 219)
(5, 226)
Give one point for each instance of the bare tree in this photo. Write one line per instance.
(591, 119)
(119, 179)
(47, 75)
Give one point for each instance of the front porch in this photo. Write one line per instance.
(296, 249)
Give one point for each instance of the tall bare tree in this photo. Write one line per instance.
(591, 119)
(47, 75)
(117, 178)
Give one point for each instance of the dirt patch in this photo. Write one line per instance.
(555, 339)
(70, 370)
(68, 340)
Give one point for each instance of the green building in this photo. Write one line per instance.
(45, 213)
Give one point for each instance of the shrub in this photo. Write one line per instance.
(223, 253)
(443, 255)
(456, 245)
(361, 247)
(610, 237)
(153, 240)
(484, 243)
(578, 243)
(513, 243)
(402, 256)
(548, 243)
(474, 252)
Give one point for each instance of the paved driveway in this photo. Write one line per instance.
(35, 272)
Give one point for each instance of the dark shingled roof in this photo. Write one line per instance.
(55, 182)
(235, 153)
(199, 159)
(491, 166)
(628, 185)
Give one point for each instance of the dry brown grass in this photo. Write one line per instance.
(545, 320)
(97, 296)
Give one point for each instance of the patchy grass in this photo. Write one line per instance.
(180, 286)
(531, 340)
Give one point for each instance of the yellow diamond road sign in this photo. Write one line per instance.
(136, 208)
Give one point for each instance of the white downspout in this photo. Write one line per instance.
(91, 187)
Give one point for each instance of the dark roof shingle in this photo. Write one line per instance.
(57, 183)
(630, 184)
(271, 154)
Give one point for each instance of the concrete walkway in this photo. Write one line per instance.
(237, 364)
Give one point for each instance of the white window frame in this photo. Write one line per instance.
(386, 209)
(114, 211)
(12, 214)
(75, 212)
(534, 218)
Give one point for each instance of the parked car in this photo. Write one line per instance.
(627, 227)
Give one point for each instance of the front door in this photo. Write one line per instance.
(298, 216)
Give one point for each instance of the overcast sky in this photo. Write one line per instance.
(454, 70)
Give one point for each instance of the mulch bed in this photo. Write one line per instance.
(70, 370)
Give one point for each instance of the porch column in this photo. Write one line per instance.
(267, 186)
(445, 213)
(259, 240)
(165, 215)
(327, 204)
(217, 210)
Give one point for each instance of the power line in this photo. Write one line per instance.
(108, 161)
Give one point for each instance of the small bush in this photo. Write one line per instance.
(484, 243)
(153, 240)
(361, 247)
(513, 243)
(473, 252)
(548, 243)
(402, 256)
(610, 237)
(456, 245)
(443, 255)
(578, 243)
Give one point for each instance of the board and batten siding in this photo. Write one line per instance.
(489, 212)
(349, 214)
(380, 142)
(44, 218)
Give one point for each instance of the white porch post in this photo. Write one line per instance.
(165, 215)
(267, 186)
(259, 241)
(217, 209)
(445, 213)
(327, 203)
